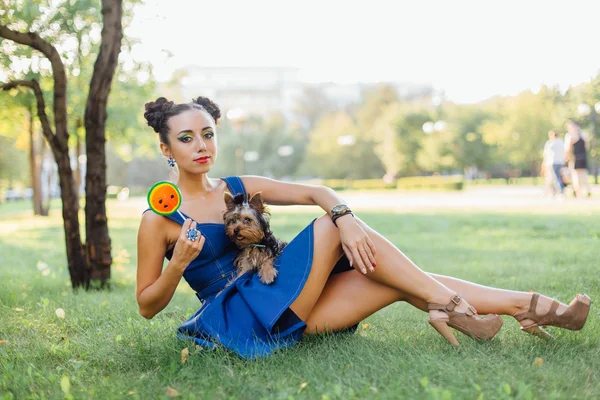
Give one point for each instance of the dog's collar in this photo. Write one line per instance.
(254, 245)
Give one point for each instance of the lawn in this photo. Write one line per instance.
(98, 346)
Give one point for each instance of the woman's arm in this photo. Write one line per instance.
(156, 287)
(287, 193)
(586, 140)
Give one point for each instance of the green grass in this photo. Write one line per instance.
(104, 349)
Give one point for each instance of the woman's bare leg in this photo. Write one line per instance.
(577, 182)
(583, 181)
(394, 269)
(326, 252)
(486, 300)
(334, 302)
(347, 299)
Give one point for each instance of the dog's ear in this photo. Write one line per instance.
(229, 200)
(256, 201)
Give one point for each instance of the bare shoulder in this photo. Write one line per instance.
(151, 220)
(152, 230)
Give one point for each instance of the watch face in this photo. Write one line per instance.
(339, 208)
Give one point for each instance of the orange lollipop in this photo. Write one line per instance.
(164, 198)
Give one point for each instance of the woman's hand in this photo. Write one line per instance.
(186, 250)
(357, 245)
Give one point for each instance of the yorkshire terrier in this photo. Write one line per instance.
(247, 225)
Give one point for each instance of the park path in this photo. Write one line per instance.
(529, 199)
(478, 198)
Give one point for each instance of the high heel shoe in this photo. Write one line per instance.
(469, 322)
(573, 318)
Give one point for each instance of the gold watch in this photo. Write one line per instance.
(339, 211)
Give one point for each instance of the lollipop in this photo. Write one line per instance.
(164, 198)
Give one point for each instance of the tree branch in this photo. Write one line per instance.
(106, 62)
(35, 41)
(41, 106)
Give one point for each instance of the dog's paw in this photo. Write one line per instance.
(267, 275)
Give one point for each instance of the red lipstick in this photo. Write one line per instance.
(201, 160)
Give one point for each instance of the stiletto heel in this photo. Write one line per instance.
(469, 322)
(573, 318)
(538, 331)
(444, 330)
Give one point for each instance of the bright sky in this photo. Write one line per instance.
(470, 49)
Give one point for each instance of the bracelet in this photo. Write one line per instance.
(335, 217)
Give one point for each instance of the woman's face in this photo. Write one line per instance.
(192, 141)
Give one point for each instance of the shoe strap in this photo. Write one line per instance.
(529, 314)
(553, 307)
(534, 301)
(454, 301)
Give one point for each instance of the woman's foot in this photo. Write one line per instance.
(461, 316)
(544, 311)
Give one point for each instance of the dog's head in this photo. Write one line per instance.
(246, 221)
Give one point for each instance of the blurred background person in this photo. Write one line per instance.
(554, 159)
(576, 146)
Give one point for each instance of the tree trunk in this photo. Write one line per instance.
(70, 208)
(97, 238)
(35, 164)
(45, 195)
(77, 170)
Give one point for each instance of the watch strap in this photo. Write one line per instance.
(335, 217)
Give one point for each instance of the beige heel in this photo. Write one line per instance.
(467, 322)
(444, 330)
(573, 318)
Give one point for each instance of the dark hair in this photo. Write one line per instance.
(158, 113)
(573, 121)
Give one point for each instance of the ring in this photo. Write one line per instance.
(193, 234)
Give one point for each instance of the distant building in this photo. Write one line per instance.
(256, 90)
(264, 90)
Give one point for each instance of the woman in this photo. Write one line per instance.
(576, 146)
(333, 274)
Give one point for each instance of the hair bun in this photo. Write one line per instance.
(209, 106)
(155, 112)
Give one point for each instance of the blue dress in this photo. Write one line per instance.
(248, 317)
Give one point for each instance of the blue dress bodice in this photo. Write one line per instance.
(213, 268)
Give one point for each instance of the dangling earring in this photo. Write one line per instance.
(173, 173)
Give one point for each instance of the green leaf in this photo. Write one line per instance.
(65, 385)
